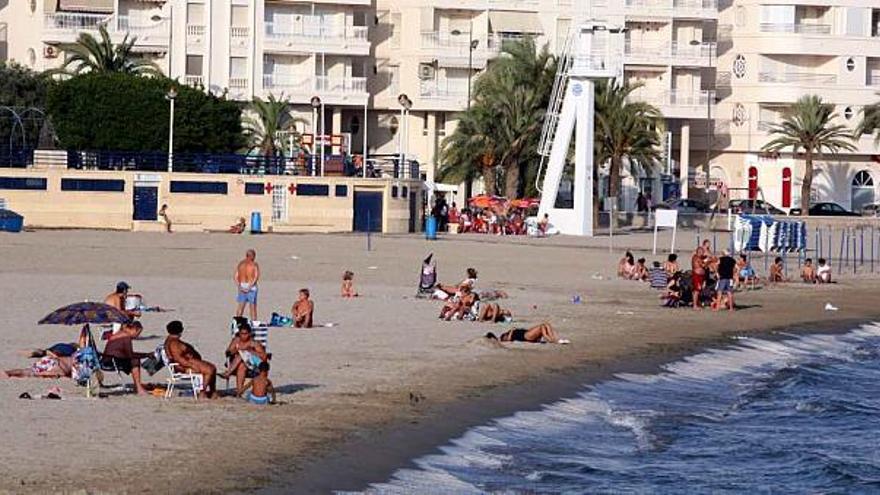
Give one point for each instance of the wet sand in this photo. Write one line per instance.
(389, 381)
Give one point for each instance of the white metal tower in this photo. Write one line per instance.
(592, 51)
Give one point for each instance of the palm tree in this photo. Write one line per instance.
(626, 131)
(807, 126)
(870, 122)
(501, 129)
(89, 54)
(265, 123)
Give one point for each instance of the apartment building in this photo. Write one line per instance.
(771, 55)
(359, 56)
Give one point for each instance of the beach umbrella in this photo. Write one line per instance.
(484, 201)
(84, 313)
(526, 203)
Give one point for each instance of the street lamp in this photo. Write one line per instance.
(405, 105)
(171, 96)
(709, 126)
(170, 19)
(317, 104)
(472, 45)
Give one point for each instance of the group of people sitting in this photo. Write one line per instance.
(463, 302)
(712, 279)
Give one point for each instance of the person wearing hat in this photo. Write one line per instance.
(117, 299)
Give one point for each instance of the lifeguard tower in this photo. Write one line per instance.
(593, 51)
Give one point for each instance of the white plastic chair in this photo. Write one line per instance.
(178, 378)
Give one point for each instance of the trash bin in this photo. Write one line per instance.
(431, 228)
(11, 221)
(256, 222)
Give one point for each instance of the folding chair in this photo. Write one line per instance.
(179, 378)
(260, 332)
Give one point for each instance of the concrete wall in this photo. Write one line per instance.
(54, 208)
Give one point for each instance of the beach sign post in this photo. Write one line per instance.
(668, 219)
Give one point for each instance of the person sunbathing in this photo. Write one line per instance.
(671, 265)
(61, 349)
(261, 387)
(303, 310)
(243, 354)
(186, 357)
(347, 289)
(46, 367)
(470, 280)
(239, 227)
(459, 306)
(823, 272)
(777, 272)
(494, 313)
(626, 266)
(808, 272)
(536, 335)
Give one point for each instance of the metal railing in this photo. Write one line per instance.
(688, 51)
(125, 23)
(695, 5)
(796, 77)
(75, 22)
(457, 45)
(290, 83)
(448, 88)
(195, 29)
(205, 163)
(800, 28)
(341, 85)
(239, 31)
(313, 30)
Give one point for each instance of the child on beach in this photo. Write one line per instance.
(303, 310)
(823, 273)
(745, 272)
(777, 273)
(348, 284)
(261, 387)
(808, 272)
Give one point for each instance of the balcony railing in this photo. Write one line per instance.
(449, 88)
(874, 77)
(341, 85)
(685, 98)
(195, 29)
(689, 51)
(800, 28)
(679, 6)
(766, 125)
(659, 52)
(75, 22)
(458, 45)
(313, 30)
(797, 77)
(125, 23)
(238, 82)
(194, 81)
(289, 83)
(239, 31)
(687, 6)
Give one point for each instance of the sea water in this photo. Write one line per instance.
(799, 414)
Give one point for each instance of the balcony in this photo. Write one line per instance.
(448, 94)
(807, 78)
(317, 37)
(332, 90)
(670, 54)
(239, 83)
(798, 28)
(195, 81)
(685, 53)
(690, 9)
(65, 28)
(676, 103)
(450, 50)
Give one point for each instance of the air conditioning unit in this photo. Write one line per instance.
(50, 51)
(427, 71)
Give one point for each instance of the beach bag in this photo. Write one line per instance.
(153, 363)
(280, 321)
(85, 363)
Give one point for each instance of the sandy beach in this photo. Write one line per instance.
(386, 382)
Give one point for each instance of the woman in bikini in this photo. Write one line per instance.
(536, 335)
(470, 280)
(493, 312)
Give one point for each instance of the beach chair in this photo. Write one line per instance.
(427, 278)
(260, 331)
(177, 378)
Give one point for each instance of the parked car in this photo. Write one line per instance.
(871, 210)
(689, 206)
(826, 209)
(756, 206)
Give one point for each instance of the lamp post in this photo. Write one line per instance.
(405, 105)
(472, 45)
(171, 96)
(316, 104)
(170, 19)
(709, 126)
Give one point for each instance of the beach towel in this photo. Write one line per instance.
(278, 320)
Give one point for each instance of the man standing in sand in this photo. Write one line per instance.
(247, 275)
(698, 275)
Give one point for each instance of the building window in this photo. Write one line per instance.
(393, 191)
(441, 123)
(425, 125)
(312, 190)
(393, 126)
(23, 183)
(341, 191)
(94, 185)
(257, 188)
(198, 187)
(739, 66)
(404, 192)
(850, 64)
(354, 125)
(848, 113)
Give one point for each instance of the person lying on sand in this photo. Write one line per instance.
(185, 355)
(239, 227)
(243, 353)
(260, 387)
(303, 310)
(470, 280)
(808, 272)
(347, 289)
(61, 349)
(459, 306)
(777, 273)
(536, 335)
(493, 313)
(46, 367)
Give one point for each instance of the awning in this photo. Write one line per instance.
(440, 187)
(50, 6)
(514, 22)
(93, 6)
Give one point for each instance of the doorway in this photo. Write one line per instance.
(146, 203)
(368, 211)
